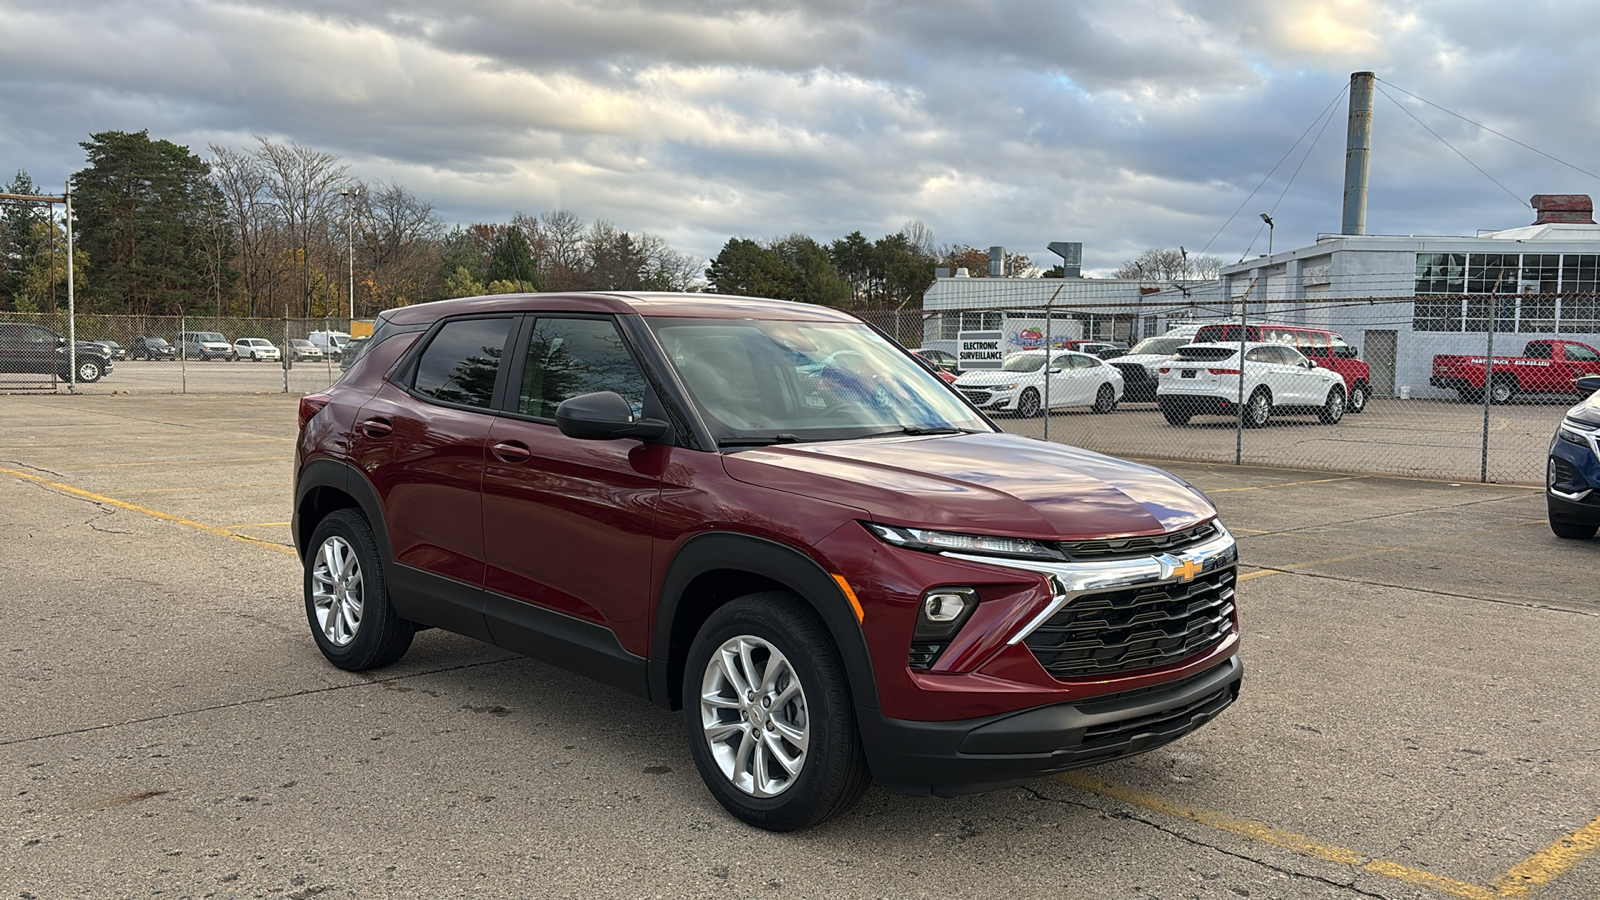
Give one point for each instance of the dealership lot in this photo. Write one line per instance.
(1419, 716)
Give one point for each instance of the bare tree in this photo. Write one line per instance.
(1157, 264)
(400, 245)
(303, 183)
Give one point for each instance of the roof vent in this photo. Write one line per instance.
(1554, 209)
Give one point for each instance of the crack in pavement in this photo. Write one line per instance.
(1167, 830)
(366, 682)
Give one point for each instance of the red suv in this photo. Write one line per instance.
(1325, 348)
(768, 515)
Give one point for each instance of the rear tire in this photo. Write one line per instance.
(768, 714)
(1258, 409)
(1175, 414)
(347, 598)
(1105, 399)
(1502, 390)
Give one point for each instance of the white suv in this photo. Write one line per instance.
(255, 349)
(1203, 380)
(1076, 379)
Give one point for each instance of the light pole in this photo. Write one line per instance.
(350, 194)
(1268, 219)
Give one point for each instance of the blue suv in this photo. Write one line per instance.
(1572, 478)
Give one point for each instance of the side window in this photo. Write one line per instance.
(1261, 355)
(568, 357)
(1314, 343)
(460, 363)
(1581, 354)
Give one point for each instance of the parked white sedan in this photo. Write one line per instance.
(255, 349)
(1204, 380)
(1075, 379)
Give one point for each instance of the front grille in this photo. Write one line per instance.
(1114, 738)
(1107, 632)
(978, 397)
(1122, 548)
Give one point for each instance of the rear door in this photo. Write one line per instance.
(423, 439)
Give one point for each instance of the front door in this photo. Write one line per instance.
(551, 500)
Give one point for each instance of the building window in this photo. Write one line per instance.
(1441, 273)
(1493, 273)
(1579, 273)
(1437, 315)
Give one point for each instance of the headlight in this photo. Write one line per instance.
(980, 544)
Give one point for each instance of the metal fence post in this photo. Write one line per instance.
(1488, 393)
(183, 355)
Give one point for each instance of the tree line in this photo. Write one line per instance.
(281, 229)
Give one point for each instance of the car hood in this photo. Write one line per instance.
(985, 483)
(1588, 411)
(986, 378)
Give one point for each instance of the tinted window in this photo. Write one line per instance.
(1203, 354)
(460, 363)
(1577, 353)
(568, 357)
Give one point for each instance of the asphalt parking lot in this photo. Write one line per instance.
(1419, 716)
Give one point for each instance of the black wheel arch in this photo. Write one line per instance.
(325, 485)
(711, 569)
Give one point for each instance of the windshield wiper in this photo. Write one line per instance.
(783, 438)
(921, 430)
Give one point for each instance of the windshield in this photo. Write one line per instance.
(1162, 346)
(770, 381)
(1023, 362)
(211, 336)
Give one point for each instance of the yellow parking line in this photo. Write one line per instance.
(122, 504)
(259, 525)
(1288, 840)
(214, 487)
(180, 462)
(1550, 863)
(1263, 487)
(1279, 570)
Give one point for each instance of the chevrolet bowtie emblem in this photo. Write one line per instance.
(1175, 567)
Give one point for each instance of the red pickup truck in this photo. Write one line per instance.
(1545, 367)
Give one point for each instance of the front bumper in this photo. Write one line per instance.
(985, 398)
(963, 757)
(1572, 476)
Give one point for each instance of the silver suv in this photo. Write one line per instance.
(205, 345)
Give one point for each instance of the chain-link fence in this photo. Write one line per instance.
(186, 354)
(1462, 388)
(1466, 391)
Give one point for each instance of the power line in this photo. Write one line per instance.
(1488, 129)
(1258, 187)
(1520, 201)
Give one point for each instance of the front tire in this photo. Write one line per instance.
(347, 598)
(768, 714)
(1333, 407)
(1357, 404)
(1258, 409)
(1028, 404)
(89, 371)
(1105, 400)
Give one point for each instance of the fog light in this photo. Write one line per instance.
(946, 604)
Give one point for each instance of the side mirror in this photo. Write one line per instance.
(1589, 383)
(604, 416)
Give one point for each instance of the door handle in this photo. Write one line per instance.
(511, 451)
(377, 428)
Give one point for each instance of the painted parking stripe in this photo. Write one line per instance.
(214, 487)
(1535, 872)
(131, 507)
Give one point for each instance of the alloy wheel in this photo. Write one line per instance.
(336, 593)
(753, 715)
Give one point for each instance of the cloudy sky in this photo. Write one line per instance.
(1124, 124)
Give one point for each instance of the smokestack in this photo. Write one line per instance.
(997, 262)
(1555, 209)
(1358, 153)
(1071, 253)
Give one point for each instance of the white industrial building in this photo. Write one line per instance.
(1404, 298)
